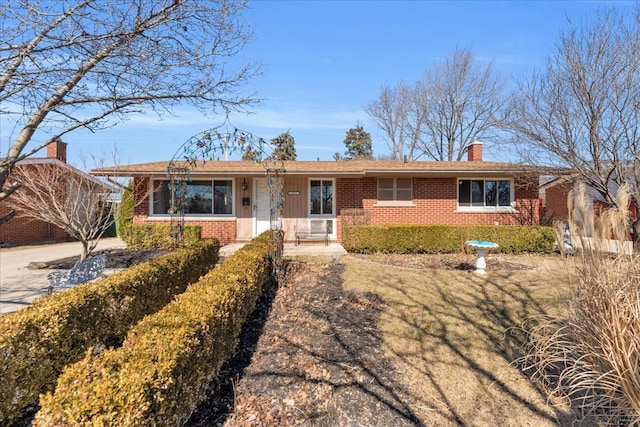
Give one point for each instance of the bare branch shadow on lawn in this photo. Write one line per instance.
(489, 314)
(321, 346)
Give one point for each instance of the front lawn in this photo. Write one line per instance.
(411, 340)
(452, 336)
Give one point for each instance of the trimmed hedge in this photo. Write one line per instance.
(38, 341)
(161, 372)
(158, 236)
(432, 239)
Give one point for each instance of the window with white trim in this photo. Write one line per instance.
(322, 201)
(484, 193)
(211, 197)
(395, 189)
(321, 196)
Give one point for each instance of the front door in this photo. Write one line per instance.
(261, 208)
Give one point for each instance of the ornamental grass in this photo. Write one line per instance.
(592, 356)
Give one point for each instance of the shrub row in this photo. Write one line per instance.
(161, 372)
(411, 239)
(157, 236)
(38, 341)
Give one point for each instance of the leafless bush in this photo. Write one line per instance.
(355, 217)
(592, 356)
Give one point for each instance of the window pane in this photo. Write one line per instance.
(464, 192)
(385, 188)
(477, 193)
(403, 183)
(403, 189)
(315, 198)
(223, 197)
(199, 198)
(385, 194)
(385, 183)
(504, 193)
(161, 197)
(327, 197)
(490, 193)
(403, 195)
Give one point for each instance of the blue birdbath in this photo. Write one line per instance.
(480, 247)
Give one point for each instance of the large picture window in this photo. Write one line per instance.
(484, 193)
(202, 198)
(394, 189)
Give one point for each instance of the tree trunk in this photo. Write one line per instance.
(85, 250)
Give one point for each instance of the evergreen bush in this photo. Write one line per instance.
(433, 239)
(38, 341)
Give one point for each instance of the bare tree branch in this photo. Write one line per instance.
(90, 63)
(582, 111)
(456, 102)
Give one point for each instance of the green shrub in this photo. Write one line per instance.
(158, 236)
(125, 212)
(161, 372)
(431, 239)
(38, 341)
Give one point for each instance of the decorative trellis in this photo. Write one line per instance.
(275, 182)
(209, 146)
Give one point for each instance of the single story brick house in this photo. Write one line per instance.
(230, 199)
(21, 230)
(74, 187)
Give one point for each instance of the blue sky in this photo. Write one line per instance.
(324, 60)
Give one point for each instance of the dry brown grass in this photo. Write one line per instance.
(453, 337)
(592, 356)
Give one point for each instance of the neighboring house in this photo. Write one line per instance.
(230, 199)
(24, 230)
(556, 196)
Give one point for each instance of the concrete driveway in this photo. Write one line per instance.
(19, 285)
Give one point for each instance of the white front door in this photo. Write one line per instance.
(261, 208)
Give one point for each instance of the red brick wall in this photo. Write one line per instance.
(21, 231)
(556, 198)
(435, 201)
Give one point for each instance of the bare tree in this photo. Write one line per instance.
(457, 102)
(582, 111)
(90, 63)
(59, 194)
(390, 114)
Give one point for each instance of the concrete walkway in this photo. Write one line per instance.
(291, 250)
(19, 285)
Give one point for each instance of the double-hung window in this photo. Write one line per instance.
(484, 193)
(210, 197)
(398, 189)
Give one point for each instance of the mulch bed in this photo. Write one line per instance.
(310, 355)
(495, 262)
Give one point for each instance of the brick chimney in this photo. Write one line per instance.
(475, 151)
(57, 150)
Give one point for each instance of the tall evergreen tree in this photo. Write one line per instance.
(250, 154)
(284, 148)
(358, 143)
